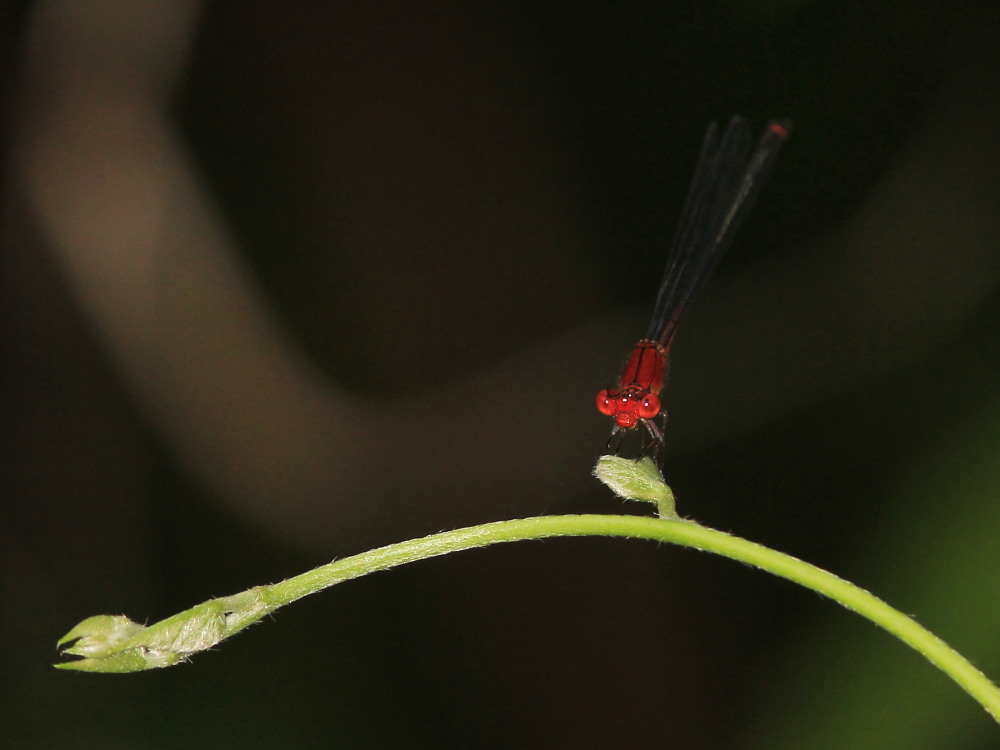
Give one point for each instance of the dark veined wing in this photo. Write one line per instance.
(727, 179)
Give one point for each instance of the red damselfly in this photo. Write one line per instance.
(726, 181)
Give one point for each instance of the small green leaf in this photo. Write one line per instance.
(116, 644)
(99, 635)
(133, 660)
(637, 480)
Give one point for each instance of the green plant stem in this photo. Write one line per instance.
(687, 534)
(132, 647)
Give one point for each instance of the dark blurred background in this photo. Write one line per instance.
(283, 283)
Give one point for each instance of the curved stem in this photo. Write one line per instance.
(109, 644)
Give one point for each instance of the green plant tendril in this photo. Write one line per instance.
(115, 644)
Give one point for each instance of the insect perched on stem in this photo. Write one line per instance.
(726, 181)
